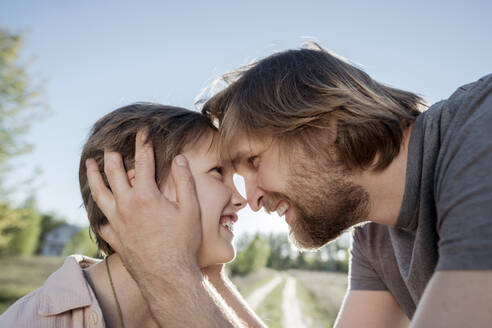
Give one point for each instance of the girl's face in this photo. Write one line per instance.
(219, 201)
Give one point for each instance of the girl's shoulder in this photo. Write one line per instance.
(65, 299)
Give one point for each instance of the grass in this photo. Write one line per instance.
(247, 284)
(270, 310)
(321, 292)
(318, 318)
(21, 275)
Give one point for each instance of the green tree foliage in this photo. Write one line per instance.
(11, 223)
(24, 240)
(81, 243)
(280, 257)
(275, 251)
(251, 258)
(19, 109)
(18, 101)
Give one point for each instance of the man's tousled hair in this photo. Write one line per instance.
(317, 100)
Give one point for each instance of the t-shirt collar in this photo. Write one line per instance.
(409, 210)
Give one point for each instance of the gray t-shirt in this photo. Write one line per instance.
(445, 222)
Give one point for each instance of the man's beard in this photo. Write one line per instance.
(325, 204)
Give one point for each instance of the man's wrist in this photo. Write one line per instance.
(217, 278)
(169, 271)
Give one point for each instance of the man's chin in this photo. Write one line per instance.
(304, 242)
(308, 238)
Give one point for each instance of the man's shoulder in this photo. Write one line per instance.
(476, 86)
(370, 235)
(463, 98)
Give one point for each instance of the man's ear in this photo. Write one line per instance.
(131, 176)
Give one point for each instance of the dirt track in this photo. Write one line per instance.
(259, 294)
(292, 315)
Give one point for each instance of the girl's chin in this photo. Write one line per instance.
(218, 257)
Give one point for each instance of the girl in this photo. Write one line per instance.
(86, 292)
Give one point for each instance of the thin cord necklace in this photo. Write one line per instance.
(120, 314)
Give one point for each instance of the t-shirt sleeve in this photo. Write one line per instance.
(362, 275)
(464, 186)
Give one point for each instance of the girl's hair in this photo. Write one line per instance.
(169, 128)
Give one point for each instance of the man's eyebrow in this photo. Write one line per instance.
(240, 156)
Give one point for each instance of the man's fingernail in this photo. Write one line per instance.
(143, 134)
(181, 160)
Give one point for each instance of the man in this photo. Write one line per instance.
(325, 145)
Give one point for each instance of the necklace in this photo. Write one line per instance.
(120, 314)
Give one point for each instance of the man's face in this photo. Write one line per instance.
(318, 198)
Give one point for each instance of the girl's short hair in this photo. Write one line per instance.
(169, 128)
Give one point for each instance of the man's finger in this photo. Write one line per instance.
(144, 163)
(99, 192)
(108, 234)
(116, 174)
(185, 186)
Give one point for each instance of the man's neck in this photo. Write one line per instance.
(386, 188)
(133, 306)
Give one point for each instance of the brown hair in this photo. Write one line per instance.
(170, 129)
(298, 95)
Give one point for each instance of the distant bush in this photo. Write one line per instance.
(20, 236)
(252, 258)
(283, 256)
(81, 243)
(11, 224)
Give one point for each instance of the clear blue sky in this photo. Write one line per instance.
(95, 56)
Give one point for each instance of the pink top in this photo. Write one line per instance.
(65, 300)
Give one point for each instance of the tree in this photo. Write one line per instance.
(18, 102)
(252, 258)
(280, 252)
(19, 228)
(25, 240)
(11, 223)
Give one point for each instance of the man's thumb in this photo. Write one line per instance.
(185, 185)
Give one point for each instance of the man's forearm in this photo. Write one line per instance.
(233, 298)
(182, 299)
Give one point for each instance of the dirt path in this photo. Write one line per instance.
(292, 315)
(259, 294)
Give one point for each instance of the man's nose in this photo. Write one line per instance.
(255, 196)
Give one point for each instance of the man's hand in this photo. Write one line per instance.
(217, 277)
(158, 239)
(214, 273)
(151, 233)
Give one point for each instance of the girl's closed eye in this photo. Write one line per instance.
(253, 161)
(217, 171)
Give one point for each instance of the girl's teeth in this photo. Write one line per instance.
(228, 225)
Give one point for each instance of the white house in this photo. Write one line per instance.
(55, 240)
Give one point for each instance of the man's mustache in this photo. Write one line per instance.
(271, 199)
